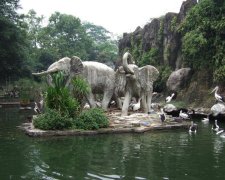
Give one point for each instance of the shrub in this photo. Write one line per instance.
(59, 98)
(52, 120)
(92, 119)
(219, 75)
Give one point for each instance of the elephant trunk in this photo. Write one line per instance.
(46, 72)
(126, 67)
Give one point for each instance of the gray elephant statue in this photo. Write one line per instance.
(100, 77)
(132, 81)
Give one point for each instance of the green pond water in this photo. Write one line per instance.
(174, 154)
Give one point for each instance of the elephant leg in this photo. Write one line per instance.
(118, 101)
(106, 99)
(149, 102)
(144, 103)
(126, 104)
(91, 100)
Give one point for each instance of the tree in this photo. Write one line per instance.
(203, 42)
(65, 36)
(104, 49)
(8, 9)
(12, 42)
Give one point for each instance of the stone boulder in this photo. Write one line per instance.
(217, 109)
(169, 108)
(178, 79)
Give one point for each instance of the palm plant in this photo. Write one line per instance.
(58, 97)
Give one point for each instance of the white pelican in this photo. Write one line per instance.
(162, 116)
(217, 96)
(137, 105)
(169, 98)
(183, 115)
(192, 128)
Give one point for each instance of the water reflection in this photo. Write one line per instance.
(153, 155)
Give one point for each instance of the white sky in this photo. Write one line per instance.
(117, 16)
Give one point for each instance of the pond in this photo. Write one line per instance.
(153, 155)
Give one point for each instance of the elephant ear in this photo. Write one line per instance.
(76, 65)
(147, 75)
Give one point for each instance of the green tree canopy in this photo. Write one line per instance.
(65, 36)
(12, 42)
(203, 43)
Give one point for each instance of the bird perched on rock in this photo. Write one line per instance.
(162, 116)
(169, 98)
(218, 97)
(137, 105)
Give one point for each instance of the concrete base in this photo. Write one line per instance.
(134, 123)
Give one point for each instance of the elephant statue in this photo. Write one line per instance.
(132, 81)
(100, 77)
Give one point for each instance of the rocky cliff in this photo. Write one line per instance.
(158, 41)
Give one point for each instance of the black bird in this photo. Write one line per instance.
(162, 116)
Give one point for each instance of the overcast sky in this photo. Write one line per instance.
(117, 16)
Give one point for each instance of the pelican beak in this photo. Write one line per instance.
(213, 90)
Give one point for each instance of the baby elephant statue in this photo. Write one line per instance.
(132, 81)
(100, 77)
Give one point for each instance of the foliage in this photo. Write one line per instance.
(151, 57)
(160, 83)
(59, 98)
(8, 9)
(26, 88)
(179, 104)
(219, 75)
(66, 36)
(173, 24)
(52, 120)
(80, 88)
(161, 29)
(98, 33)
(92, 119)
(104, 47)
(12, 50)
(203, 42)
